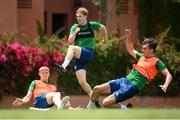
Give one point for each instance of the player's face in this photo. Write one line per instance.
(44, 75)
(146, 51)
(81, 19)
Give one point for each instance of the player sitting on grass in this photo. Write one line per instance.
(143, 72)
(43, 93)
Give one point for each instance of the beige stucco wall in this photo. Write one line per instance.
(59, 7)
(67, 7)
(8, 16)
(24, 20)
(27, 18)
(123, 21)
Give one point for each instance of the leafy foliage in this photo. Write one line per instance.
(19, 61)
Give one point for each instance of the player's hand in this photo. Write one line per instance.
(163, 87)
(18, 102)
(128, 32)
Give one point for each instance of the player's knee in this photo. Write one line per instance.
(96, 89)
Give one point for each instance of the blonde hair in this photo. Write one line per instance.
(43, 68)
(83, 11)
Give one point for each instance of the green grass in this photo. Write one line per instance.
(91, 114)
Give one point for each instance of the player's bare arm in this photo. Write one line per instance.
(167, 81)
(26, 99)
(73, 36)
(104, 30)
(129, 45)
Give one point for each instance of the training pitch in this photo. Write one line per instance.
(91, 114)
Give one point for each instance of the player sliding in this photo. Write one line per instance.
(82, 44)
(43, 93)
(142, 73)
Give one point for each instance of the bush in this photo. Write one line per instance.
(19, 64)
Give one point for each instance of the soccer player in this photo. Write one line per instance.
(143, 72)
(43, 93)
(82, 44)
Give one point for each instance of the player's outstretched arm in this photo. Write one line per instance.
(167, 81)
(129, 45)
(105, 35)
(19, 101)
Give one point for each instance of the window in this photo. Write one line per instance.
(124, 8)
(136, 8)
(26, 4)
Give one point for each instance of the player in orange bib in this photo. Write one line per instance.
(43, 93)
(143, 72)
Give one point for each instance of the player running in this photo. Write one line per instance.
(82, 45)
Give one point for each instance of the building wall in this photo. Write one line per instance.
(27, 18)
(123, 21)
(67, 7)
(24, 19)
(8, 16)
(59, 7)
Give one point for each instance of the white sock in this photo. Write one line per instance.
(123, 107)
(57, 100)
(65, 63)
(90, 94)
(90, 102)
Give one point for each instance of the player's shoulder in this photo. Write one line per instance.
(93, 22)
(75, 25)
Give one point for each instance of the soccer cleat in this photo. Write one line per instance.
(129, 105)
(97, 104)
(91, 105)
(65, 100)
(125, 107)
(60, 67)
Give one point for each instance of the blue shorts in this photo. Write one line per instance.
(41, 102)
(87, 55)
(122, 89)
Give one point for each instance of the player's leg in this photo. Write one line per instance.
(122, 90)
(55, 98)
(109, 101)
(81, 76)
(73, 51)
(80, 64)
(41, 102)
(99, 90)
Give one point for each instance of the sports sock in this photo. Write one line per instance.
(90, 94)
(65, 63)
(123, 107)
(57, 101)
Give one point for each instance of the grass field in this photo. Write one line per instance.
(91, 114)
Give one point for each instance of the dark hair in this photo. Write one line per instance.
(83, 11)
(152, 44)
